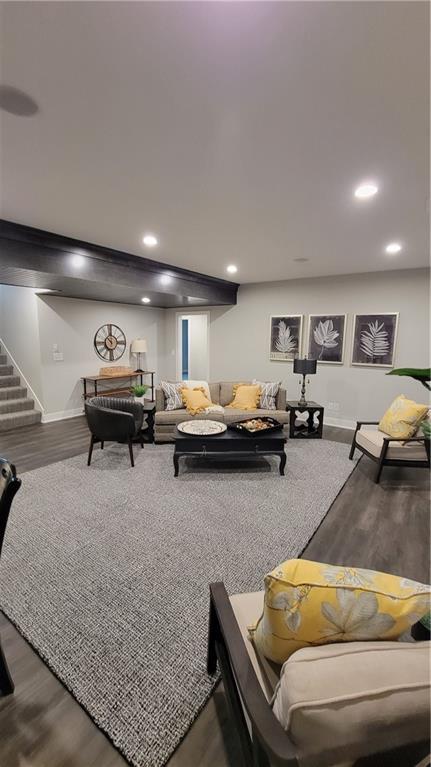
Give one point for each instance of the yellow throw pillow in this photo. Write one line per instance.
(245, 397)
(403, 418)
(309, 603)
(195, 400)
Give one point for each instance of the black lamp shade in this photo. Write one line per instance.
(305, 367)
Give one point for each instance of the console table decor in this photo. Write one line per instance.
(308, 428)
(122, 388)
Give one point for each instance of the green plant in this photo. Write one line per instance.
(423, 375)
(139, 390)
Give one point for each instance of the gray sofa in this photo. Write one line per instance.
(221, 394)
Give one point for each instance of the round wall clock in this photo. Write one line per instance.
(110, 342)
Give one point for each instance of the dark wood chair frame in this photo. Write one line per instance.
(11, 484)
(381, 460)
(268, 744)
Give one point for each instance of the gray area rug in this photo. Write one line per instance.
(105, 570)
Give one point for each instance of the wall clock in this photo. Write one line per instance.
(110, 342)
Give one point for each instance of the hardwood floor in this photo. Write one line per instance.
(383, 527)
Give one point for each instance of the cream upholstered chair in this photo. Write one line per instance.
(336, 704)
(389, 451)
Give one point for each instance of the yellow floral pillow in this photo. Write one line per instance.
(308, 604)
(403, 418)
(195, 400)
(245, 397)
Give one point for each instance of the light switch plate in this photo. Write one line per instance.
(58, 356)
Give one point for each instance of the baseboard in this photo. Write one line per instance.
(340, 423)
(62, 415)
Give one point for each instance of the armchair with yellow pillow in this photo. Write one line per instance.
(320, 669)
(395, 440)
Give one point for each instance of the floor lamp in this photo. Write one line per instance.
(139, 346)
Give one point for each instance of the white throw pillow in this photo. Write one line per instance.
(268, 393)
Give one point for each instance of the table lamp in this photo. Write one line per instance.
(304, 367)
(139, 346)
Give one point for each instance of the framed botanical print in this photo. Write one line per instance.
(374, 339)
(326, 337)
(285, 336)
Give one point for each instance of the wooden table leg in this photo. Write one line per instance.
(176, 464)
(282, 463)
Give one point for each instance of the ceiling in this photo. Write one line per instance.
(236, 132)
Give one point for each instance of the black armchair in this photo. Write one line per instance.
(9, 486)
(111, 419)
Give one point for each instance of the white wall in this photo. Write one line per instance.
(239, 337)
(71, 324)
(19, 330)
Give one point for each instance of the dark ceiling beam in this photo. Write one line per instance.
(26, 250)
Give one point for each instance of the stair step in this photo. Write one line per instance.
(9, 381)
(16, 405)
(6, 370)
(12, 392)
(10, 421)
(3, 359)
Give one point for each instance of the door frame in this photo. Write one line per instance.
(179, 313)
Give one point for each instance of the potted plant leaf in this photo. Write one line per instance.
(139, 391)
(423, 375)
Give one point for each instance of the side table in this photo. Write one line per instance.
(149, 409)
(311, 427)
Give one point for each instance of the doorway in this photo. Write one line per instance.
(192, 347)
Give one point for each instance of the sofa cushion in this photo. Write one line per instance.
(226, 391)
(372, 441)
(341, 702)
(246, 607)
(232, 416)
(198, 385)
(403, 417)
(311, 603)
(174, 417)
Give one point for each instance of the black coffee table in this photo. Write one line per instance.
(230, 444)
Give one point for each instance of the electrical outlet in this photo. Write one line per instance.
(334, 406)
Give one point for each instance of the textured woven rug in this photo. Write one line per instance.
(105, 570)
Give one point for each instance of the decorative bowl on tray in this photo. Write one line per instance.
(202, 428)
(256, 426)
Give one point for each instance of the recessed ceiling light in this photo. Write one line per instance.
(146, 300)
(301, 260)
(44, 290)
(231, 268)
(78, 261)
(393, 247)
(366, 189)
(150, 240)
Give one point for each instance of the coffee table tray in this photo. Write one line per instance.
(241, 428)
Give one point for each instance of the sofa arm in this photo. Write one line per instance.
(281, 399)
(160, 399)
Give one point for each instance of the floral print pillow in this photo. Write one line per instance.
(309, 603)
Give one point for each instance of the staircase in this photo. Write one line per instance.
(16, 409)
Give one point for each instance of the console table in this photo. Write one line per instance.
(122, 388)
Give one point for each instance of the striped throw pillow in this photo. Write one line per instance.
(268, 393)
(172, 392)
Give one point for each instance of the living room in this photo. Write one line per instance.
(214, 384)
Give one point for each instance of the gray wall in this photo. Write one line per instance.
(239, 338)
(19, 330)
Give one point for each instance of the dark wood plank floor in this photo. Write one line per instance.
(382, 527)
